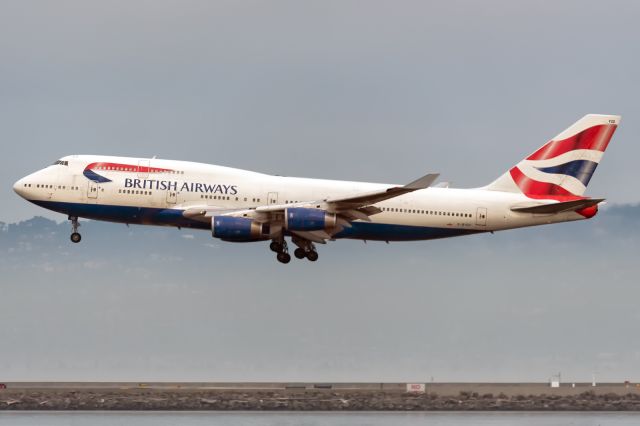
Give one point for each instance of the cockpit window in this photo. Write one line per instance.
(61, 162)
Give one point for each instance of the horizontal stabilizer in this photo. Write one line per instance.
(559, 207)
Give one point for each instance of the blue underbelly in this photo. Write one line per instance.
(173, 217)
(125, 214)
(392, 232)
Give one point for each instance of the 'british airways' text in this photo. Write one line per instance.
(172, 185)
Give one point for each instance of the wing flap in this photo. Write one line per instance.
(319, 237)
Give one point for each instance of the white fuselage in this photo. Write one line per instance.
(158, 192)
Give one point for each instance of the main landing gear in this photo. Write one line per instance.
(280, 247)
(310, 254)
(75, 235)
(305, 249)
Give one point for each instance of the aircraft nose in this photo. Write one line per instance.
(19, 187)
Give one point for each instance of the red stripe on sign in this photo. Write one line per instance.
(125, 168)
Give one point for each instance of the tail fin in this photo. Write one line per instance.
(563, 166)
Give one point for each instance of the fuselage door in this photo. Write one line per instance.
(172, 196)
(143, 169)
(481, 216)
(92, 190)
(272, 198)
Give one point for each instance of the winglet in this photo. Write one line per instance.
(423, 182)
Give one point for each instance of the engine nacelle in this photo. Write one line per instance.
(303, 219)
(238, 229)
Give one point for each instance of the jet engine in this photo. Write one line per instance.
(238, 229)
(304, 219)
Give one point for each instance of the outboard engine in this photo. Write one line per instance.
(304, 219)
(238, 229)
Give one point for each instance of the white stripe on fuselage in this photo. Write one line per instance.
(446, 206)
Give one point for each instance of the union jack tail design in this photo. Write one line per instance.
(562, 168)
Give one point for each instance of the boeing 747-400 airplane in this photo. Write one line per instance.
(243, 206)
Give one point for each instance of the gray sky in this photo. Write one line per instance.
(372, 91)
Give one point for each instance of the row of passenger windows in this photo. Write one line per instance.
(61, 162)
(431, 212)
(134, 192)
(38, 185)
(226, 197)
(257, 200)
(217, 197)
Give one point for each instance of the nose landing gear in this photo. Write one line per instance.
(75, 235)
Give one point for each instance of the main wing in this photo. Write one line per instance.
(358, 206)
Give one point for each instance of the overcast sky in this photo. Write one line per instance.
(371, 91)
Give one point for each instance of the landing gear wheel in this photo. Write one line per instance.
(75, 236)
(284, 257)
(275, 246)
(312, 255)
(299, 253)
